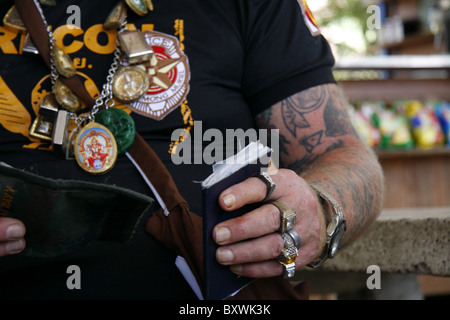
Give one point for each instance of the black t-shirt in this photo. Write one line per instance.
(244, 56)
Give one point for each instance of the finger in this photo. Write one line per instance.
(11, 229)
(261, 221)
(254, 190)
(249, 191)
(11, 247)
(259, 249)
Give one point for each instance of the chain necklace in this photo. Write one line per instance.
(92, 143)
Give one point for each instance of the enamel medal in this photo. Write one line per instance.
(95, 148)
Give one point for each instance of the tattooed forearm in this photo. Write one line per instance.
(295, 107)
(321, 145)
(301, 127)
(336, 121)
(355, 177)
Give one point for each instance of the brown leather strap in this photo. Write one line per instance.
(157, 173)
(32, 20)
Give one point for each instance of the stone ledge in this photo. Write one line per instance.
(407, 240)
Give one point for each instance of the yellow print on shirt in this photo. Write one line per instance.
(69, 38)
(14, 117)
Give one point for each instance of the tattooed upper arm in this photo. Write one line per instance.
(310, 123)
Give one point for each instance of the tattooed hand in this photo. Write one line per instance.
(317, 145)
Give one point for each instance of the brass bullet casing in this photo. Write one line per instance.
(138, 6)
(65, 97)
(116, 17)
(63, 62)
(149, 4)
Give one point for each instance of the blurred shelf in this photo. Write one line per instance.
(412, 40)
(394, 62)
(392, 89)
(414, 152)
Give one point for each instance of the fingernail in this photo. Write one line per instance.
(15, 231)
(224, 255)
(229, 200)
(222, 235)
(15, 246)
(236, 268)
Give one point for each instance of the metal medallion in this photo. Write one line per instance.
(95, 148)
(130, 83)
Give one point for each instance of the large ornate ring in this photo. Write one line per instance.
(288, 270)
(288, 216)
(264, 176)
(291, 237)
(292, 243)
(287, 258)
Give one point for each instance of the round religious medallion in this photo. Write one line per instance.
(120, 124)
(95, 148)
(130, 83)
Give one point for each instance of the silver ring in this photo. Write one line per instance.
(288, 270)
(288, 216)
(264, 177)
(292, 243)
(294, 236)
(287, 258)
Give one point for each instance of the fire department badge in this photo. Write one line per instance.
(169, 74)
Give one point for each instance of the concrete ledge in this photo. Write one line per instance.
(407, 240)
